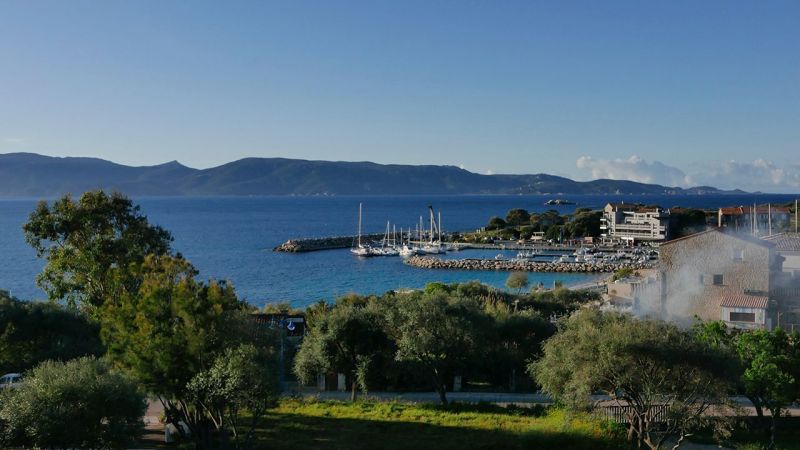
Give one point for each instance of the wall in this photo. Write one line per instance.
(708, 253)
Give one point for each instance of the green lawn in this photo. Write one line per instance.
(371, 425)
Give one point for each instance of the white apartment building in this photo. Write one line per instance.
(633, 223)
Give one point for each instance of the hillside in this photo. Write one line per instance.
(28, 174)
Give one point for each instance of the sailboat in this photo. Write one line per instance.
(387, 246)
(434, 247)
(360, 249)
(407, 249)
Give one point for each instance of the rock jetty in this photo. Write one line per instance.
(430, 262)
(326, 243)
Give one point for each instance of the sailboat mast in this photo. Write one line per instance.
(439, 226)
(359, 225)
(769, 217)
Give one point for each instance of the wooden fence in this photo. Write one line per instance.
(619, 414)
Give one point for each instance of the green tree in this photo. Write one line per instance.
(347, 339)
(173, 328)
(73, 404)
(584, 224)
(768, 369)
(439, 332)
(83, 240)
(518, 281)
(642, 365)
(32, 332)
(770, 360)
(518, 216)
(496, 223)
(237, 380)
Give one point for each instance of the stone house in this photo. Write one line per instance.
(716, 275)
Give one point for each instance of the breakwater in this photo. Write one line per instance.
(430, 262)
(324, 243)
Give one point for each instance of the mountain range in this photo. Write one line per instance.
(33, 175)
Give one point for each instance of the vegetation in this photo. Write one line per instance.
(518, 281)
(174, 334)
(84, 240)
(395, 426)
(521, 224)
(347, 340)
(768, 367)
(650, 368)
(33, 332)
(76, 404)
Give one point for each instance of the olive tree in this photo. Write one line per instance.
(346, 338)
(661, 376)
(75, 404)
(518, 281)
(439, 332)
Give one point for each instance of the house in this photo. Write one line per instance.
(633, 223)
(717, 275)
(758, 220)
(786, 283)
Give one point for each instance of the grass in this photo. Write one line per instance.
(389, 425)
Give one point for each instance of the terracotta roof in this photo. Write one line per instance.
(785, 241)
(741, 236)
(744, 301)
(761, 209)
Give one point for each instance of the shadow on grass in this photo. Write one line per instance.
(491, 408)
(292, 431)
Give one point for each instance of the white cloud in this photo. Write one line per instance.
(14, 141)
(758, 175)
(634, 169)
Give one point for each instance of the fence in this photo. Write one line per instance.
(619, 414)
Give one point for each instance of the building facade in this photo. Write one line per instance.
(760, 220)
(714, 275)
(633, 223)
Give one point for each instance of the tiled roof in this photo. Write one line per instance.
(738, 210)
(744, 301)
(785, 241)
(741, 236)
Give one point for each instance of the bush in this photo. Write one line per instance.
(73, 404)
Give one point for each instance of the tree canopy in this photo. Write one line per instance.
(83, 240)
(74, 404)
(643, 365)
(32, 332)
(347, 339)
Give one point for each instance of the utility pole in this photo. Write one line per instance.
(795, 215)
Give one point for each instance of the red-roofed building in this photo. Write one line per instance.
(744, 311)
(768, 219)
(717, 275)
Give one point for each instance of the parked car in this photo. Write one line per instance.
(10, 380)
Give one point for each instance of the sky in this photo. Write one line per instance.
(680, 93)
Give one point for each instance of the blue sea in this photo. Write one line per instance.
(232, 238)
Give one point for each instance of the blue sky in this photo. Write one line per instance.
(678, 92)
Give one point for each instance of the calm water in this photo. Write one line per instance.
(232, 238)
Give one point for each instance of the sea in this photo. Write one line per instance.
(232, 238)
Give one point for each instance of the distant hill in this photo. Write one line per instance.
(32, 175)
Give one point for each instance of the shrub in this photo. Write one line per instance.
(73, 404)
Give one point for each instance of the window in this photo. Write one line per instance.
(717, 280)
(738, 254)
(743, 317)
